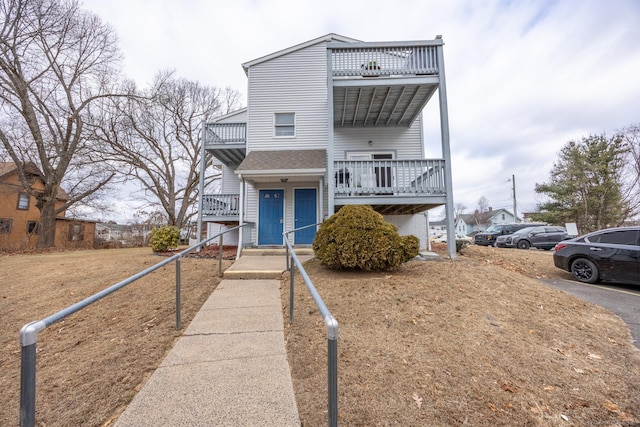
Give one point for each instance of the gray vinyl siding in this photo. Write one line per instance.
(239, 117)
(293, 83)
(230, 181)
(406, 143)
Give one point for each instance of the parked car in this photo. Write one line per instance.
(610, 255)
(443, 238)
(506, 240)
(490, 235)
(544, 237)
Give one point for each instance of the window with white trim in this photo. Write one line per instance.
(284, 124)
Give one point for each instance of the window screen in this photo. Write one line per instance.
(285, 124)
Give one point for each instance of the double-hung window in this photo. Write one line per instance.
(285, 124)
(23, 201)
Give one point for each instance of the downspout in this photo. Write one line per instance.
(330, 154)
(446, 151)
(201, 183)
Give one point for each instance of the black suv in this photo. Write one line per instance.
(489, 236)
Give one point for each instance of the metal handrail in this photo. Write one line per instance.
(330, 322)
(29, 332)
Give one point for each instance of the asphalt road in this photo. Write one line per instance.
(622, 300)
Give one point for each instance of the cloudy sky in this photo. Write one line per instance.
(523, 76)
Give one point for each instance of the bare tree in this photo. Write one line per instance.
(55, 62)
(156, 134)
(483, 204)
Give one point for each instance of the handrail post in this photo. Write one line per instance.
(220, 256)
(332, 380)
(28, 342)
(178, 286)
(28, 386)
(291, 281)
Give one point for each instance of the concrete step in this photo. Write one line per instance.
(274, 251)
(260, 263)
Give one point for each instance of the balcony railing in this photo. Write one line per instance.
(384, 59)
(389, 177)
(225, 133)
(221, 205)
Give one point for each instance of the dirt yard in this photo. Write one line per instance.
(476, 341)
(471, 342)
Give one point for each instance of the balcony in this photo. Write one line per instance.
(383, 84)
(223, 208)
(391, 186)
(227, 142)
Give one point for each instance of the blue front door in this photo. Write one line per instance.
(305, 214)
(271, 215)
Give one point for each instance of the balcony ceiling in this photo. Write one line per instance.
(230, 155)
(380, 102)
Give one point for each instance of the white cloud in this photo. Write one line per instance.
(523, 77)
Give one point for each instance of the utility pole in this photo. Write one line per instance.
(515, 213)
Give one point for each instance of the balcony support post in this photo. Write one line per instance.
(330, 170)
(446, 151)
(203, 162)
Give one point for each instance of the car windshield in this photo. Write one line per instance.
(494, 229)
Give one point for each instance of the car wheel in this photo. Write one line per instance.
(523, 244)
(584, 270)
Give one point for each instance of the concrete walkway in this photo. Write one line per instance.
(230, 366)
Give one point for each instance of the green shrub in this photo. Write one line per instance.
(357, 237)
(164, 238)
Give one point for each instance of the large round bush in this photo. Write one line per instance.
(357, 237)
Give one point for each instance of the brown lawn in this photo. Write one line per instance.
(476, 341)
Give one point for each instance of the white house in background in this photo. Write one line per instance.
(480, 221)
(331, 122)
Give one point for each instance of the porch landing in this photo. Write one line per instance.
(260, 263)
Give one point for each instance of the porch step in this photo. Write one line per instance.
(260, 263)
(274, 251)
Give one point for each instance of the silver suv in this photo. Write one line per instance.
(543, 237)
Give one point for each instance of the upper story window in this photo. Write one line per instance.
(23, 201)
(285, 124)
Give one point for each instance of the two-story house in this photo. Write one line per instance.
(20, 217)
(480, 221)
(331, 122)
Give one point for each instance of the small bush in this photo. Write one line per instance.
(164, 238)
(357, 237)
(461, 244)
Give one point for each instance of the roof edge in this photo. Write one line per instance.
(326, 38)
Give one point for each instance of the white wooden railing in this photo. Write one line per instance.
(389, 177)
(225, 133)
(221, 205)
(384, 59)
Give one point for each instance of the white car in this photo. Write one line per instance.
(443, 238)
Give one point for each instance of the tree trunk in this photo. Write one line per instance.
(47, 233)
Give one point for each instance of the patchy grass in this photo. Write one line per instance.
(476, 341)
(90, 365)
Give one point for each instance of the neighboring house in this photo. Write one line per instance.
(331, 122)
(127, 235)
(480, 221)
(20, 218)
(437, 228)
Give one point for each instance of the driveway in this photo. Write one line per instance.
(622, 300)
